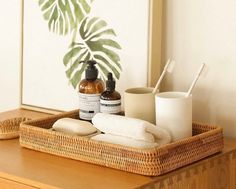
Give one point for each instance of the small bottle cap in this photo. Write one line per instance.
(110, 83)
(91, 71)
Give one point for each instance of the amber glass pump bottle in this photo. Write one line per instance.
(110, 99)
(90, 90)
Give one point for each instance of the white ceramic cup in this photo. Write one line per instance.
(174, 113)
(140, 103)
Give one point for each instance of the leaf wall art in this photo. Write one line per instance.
(90, 37)
(59, 34)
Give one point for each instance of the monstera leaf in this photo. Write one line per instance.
(97, 43)
(64, 15)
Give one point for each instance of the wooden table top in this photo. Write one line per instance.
(45, 170)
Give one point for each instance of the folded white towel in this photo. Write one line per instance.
(130, 127)
(125, 141)
(74, 126)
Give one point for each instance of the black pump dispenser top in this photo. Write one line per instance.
(110, 83)
(91, 72)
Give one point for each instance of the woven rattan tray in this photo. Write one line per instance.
(37, 135)
(9, 128)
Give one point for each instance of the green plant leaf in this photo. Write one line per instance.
(72, 60)
(63, 16)
(98, 43)
(72, 53)
(76, 63)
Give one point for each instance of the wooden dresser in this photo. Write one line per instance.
(21, 168)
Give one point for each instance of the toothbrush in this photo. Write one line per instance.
(195, 80)
(162, 76)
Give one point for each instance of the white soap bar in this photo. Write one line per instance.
(74, 126)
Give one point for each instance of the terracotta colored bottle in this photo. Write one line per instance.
(110, 101)
(90, 90)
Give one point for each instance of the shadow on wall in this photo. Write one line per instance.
(216, 107)
(225, 116)
(167, 84)
(201, 105)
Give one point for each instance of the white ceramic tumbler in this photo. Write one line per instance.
(174, 113)
(140, 103)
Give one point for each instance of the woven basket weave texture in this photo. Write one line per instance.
(9, 128)
(37, 135)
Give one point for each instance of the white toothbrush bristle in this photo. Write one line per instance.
(205, 71)
(171, 66)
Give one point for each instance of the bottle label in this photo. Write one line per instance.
(110, 106)
(89, 105)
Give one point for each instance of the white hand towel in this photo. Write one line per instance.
(125, 141)
(130, 127)
(74, 126)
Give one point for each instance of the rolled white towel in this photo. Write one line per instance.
(125, 141)
(74, 126)
(130, 127)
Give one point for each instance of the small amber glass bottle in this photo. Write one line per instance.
(90, 90)
(110, 101)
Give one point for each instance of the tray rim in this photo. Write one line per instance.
(215, 129)
(154, 151)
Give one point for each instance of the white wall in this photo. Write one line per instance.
(199, 31)
(9, 54)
